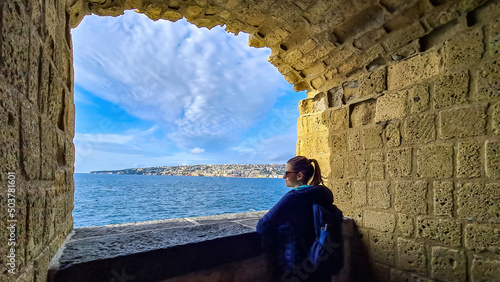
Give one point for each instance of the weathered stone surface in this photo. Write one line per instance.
(482, 237)
(378, 194)
(410, 197)
(463, 122)
(411, 255)
(338, 119)
(469, 163)
(356, 165)
(337, 166)
(374, 83)
(448, 264)
(362, 113)
(405, 225)
(382, 247)
(30, 136)
(377, 170)
(418, 98)
(484, 269)
(399, 162)
(393, 134)
(413, 70)
(443, 198)
(381, 221)
(391, 106)
(488, 85)
(495, 118)
(359, 193)
(420, 128)
(342, 191)
(465, 48)
(435, 161)
(338, 143)
(353, 140)
(479, 202)
(451, 89)
(445, 231)
(372, 137)
(493, 159)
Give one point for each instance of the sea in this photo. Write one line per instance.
(103, 199)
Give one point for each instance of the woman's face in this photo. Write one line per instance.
(291, 177)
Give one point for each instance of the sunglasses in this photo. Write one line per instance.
(287, 172)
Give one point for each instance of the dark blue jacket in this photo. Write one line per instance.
(288, 227)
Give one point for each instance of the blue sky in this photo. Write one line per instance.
(161, 93)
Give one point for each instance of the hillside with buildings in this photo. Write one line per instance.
(222, 170)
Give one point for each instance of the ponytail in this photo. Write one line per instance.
(316, 180)
(311, 173)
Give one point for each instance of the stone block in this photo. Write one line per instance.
(362, 113)
(445, 231)
(314, 70)
(377, 170)
(382, 247)
(381, 221)
(448, 264)
(372, 137)
(356, 165)
(469, 163)
(495, 118)
(451, 89)
(463, 122)
(403, 36)
(337, 166)
(373, 83)
(418, 98)
(338, 143)
(379, 195)
(479, 202)
(369, 38)
(48, 149)
(353, 140)
(493, 42)
(342, 191)
(464, 49)
(485, 269)
(405, 225)
(413, 70)
(443, 198)
(14, 50)
(420, 128)
(306, 106)
(338, 119)
(35, 52)
(435, 161)
(377, 157)
(335, 96)
(9, 132)
(493, 159)
(410, 197)
(411, 256)
(392, 134)
(359, 193)
(351, 91)
(30, 136)
(482, 237)
(36, 218)
(392, 105)
(317, 82)
(321, 144)
(399, 162)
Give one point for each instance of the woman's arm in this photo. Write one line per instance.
(276, 216)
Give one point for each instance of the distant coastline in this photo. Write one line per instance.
(223, 170)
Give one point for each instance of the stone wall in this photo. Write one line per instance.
(402, 113)
(36, 132)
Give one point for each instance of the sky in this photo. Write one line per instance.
(157, 93)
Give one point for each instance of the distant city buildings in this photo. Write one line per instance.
(223, 170)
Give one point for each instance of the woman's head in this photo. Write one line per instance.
(300, 171)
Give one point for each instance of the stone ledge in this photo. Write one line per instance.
(155, 250)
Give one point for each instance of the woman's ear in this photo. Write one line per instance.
(300, 176)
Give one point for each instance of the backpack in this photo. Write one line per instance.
(327, 251)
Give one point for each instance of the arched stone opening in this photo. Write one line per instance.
(402, 113)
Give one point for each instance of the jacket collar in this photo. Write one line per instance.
(302, 187)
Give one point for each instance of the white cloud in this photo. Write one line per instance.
(197, 150)
(204, 86)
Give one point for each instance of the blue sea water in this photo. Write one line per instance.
(102, 199)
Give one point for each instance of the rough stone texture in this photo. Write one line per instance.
(443, 198)
(488, 77)
(405, 225)
(451, 89)
(410, 197)
(380, 221)
(378, 194)
(391, 106)
(485, 269)
(464, 48)
(435, 161)
(445, 231)
(479, 202)
(411, 255)
(372, 137)
(399, 162)
(463, 122)
(356, 165)
(418, 98)
(382, 247)
(413, 70)
(359, 193)
(493, 159)
(393, 134)
(419, 129)
(469, 163)
(448, 264)
(482, 237)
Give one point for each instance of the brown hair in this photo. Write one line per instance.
(305, 165)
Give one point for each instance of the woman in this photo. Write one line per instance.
(288, 228)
